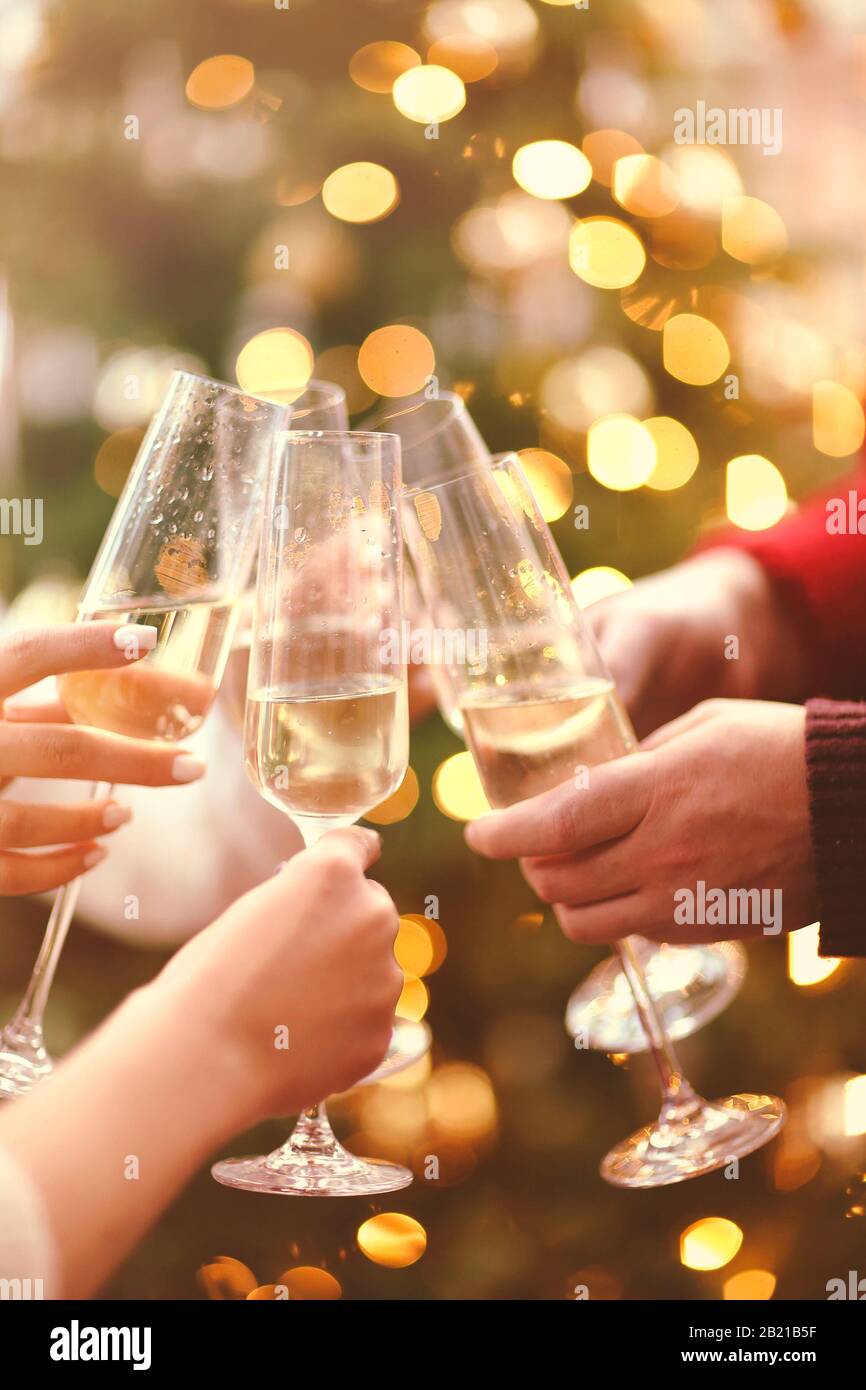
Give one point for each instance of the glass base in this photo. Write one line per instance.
(312, 1164)
(694, 1138)
(690, 985)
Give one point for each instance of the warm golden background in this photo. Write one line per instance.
(719, 298)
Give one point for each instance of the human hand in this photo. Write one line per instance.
(717, 796)
(310, 951)
(37, 740)
(668, 643)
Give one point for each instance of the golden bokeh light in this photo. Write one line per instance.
(752, 231)
(340, 365)
(598, 582)
(376, 66)
(805, 966)
(604, 147)
(226, 1278)
(397, 360)
(550, 479)
(361, 192)
(469, 55)
(429, 94)
(755, 493)
(414, 1000)
(606, 253)
(438, 940)
(392, 1239)
(308, 1284)
(683, 239)
(413, 947)
(551, 169)
(749, 1286)
(694, 350)
(838, 424)
(620, 452)
(511, 26)
(114, 459)
(710, 1243)
(706, 176)
(399, 804)
(644, 186)
(676, 453)
(603, 381)
(411, 1078)
(515, 232)
(275, 364)
(854, 1107)
(457, 789)
(462, 1102)
(392, 1119)
(220, 82)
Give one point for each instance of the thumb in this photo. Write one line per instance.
(362, 845)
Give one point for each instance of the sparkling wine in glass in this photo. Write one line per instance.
(540, 709)
(327, 720)
(690, 984)
(177, 556)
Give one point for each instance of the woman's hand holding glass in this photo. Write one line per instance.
(37, 740)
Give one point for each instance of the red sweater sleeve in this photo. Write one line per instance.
(817, 561)
(836, 775)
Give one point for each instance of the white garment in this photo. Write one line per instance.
(28, 1252)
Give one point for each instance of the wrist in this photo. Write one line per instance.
(187, 1043)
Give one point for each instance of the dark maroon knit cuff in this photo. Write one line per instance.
(836, 773)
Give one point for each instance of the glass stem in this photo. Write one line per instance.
(678, 1098)
(24, 1034)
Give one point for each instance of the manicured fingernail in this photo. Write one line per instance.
(134, 639)
(115, 815)
(186, 768)
(94, 857)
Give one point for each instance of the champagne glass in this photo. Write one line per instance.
(176, 556)
(320, 406)
(690, 984)
(539, 708)
(327, 722)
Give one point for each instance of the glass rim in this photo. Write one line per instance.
(226, 386)
(332, 389)
(493, 461)
(457, 406)
(333, 436)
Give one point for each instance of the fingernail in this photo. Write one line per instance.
(94, 857)
(134, 639)
(186, 768)
(115, 815)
